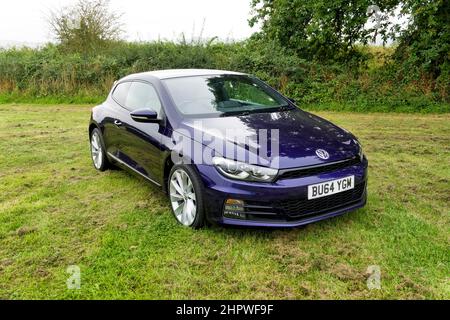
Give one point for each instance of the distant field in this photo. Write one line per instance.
(56, 211)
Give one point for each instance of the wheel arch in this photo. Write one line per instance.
(92, 126)
(168, 165)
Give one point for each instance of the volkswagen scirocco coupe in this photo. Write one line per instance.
(227, 148)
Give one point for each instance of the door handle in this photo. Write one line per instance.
(118, 123)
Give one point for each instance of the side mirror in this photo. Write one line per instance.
(145, 115)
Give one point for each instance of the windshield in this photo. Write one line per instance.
(223, 95)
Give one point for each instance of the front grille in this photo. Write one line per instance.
(286, 210)
(303, 207)
(310, 171)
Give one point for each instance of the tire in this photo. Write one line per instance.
(98, 150)
(183, 196)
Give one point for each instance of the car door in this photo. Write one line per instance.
(113, 134)
(141, 143)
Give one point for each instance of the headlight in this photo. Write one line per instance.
(243, 171)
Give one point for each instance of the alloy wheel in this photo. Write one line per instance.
(96, 150)
(182, 197)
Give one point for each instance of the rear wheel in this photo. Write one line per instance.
(186, 198)
(98, 151)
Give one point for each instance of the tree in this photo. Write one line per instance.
(87, 26)
(425, 42)
(329, 30)
(321, 29)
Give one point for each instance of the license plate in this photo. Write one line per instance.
(330, 187)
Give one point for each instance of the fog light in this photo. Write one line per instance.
(234, 209)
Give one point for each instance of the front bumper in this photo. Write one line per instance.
(282, 203)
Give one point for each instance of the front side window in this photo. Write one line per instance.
(142, 95)
(222, 95)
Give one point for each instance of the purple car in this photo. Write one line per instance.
(228, 149)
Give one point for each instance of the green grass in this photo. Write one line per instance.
(33, 98)
(56, 211)
(421, 105)
(391, 106)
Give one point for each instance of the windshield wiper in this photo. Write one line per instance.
(235, 113)
(285, 107)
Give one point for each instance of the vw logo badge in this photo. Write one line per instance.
(322, 154)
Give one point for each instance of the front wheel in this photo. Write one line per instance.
(186, 198)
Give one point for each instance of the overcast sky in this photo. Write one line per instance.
(24, 21)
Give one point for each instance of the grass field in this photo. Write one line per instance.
(56, 211)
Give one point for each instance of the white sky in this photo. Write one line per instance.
(24, 21)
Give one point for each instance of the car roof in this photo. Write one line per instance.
(177, 73)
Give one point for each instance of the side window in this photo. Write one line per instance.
(120, 92)
(143, 95)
